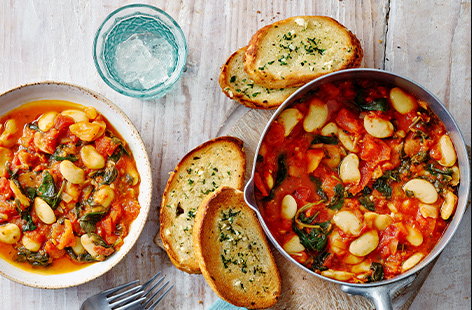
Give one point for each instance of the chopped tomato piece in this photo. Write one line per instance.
(349, 122)
(5, 190)
(275, 134)
(105, 146)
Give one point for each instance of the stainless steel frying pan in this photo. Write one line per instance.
(380, 293)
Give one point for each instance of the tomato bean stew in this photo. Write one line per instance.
(357, 180)
(68, 187)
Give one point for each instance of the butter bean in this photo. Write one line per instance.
(414, 237)
(91, 158)
(76, 115)
(422, 189)
(30, 244)
(289, 207)
(378, 127)
(289, 119)
(349, 169)
(316, 116)
(365, 244)
(449, 205)
(401, 101)
(293, 245)
(9, 233)
(412, 261)
(46, 121)
(337, 274)
(44, 211)
(104, 196)
(348, 222)
(71, 172)
(447, 151)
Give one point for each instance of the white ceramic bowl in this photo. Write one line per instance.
(63, 91)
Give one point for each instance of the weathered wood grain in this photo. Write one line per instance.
(52, 40)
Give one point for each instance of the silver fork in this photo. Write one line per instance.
(145, 296)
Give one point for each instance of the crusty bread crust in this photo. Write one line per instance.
(237, 85)
(179, 206)
(253, 282)
(267, 76)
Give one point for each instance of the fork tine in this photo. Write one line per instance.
(149, 300)
(115, 289)
(150, 280)
(126, 300)
(132, 304)
(161, 297)
(130, 291)
(149, 290)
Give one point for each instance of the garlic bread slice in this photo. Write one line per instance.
(296, 50)
(233, 253)
(214, 164)
(237, 85)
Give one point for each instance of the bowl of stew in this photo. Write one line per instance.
(75, 185)
(361, 178)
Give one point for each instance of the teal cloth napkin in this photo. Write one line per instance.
(223, 305)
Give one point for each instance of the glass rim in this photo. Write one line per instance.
(155, 91)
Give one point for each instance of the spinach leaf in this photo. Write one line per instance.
(314, 240)
(119, 152)
(40, 258)
(318, 188)
(324, 139)
(435, 171)
(29, 225)
(82, 258)
(89, 221)
(381, 185)
(97, 240)
(319, 261)
(307, 220)
(110, 175)
(60, 155)
(367, 203)
(338, 199)
(61, 158)
(30, 192)
(282, 172)
(47, 190)
(377, 272)
(419, 158)
(379, 104)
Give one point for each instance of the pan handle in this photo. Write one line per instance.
(381, 296)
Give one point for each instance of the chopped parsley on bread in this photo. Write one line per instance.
(237, 85)
(233, 253)
(296, 50)
(212, 165)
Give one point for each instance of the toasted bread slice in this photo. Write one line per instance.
(233, 253)
(296, 50)
(237, 85)
(216, 163)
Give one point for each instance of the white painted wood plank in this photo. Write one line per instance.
(429, 41)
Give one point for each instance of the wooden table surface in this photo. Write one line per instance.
(427, 41)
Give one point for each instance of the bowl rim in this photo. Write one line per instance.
(459, 144)
(145, 208)
(155, 91)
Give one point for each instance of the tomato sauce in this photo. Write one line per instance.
(357, 181)
(68, 187)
